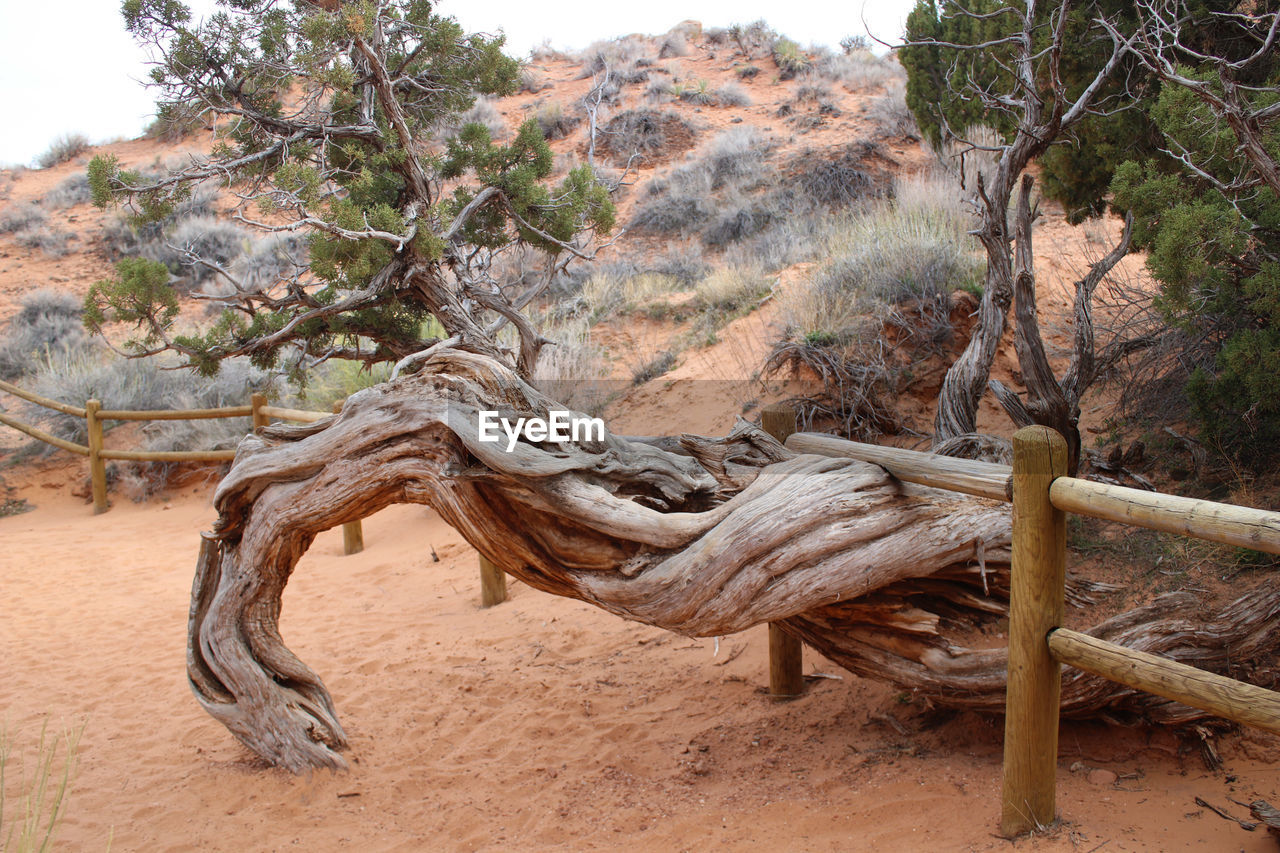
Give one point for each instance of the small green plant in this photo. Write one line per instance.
(31, 823)
(698, 93)
(789, 58)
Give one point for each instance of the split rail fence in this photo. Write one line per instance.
(1041, 495)
(94, 417)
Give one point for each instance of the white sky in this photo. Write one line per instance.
(85, 80)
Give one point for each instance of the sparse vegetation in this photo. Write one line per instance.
(730, 288)
(47, 325)
(72, 191)
(732, 95)
(532, 80)
(673, 44)
(649, 135)
(213, 240)
(654, 367)
(554, 121)
(77, 375)
(625, 52)
(697, 92)
(859, 70)
(789, 58)
(66, 147)
(608, 292)
(21, 217)
(30, 825)
(52, 241)
(890, 113)
(834, 179)
(915, 249)
(753, 39)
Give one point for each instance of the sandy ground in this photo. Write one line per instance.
(541, 724)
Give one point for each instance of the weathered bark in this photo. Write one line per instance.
(1050, 402)
(700, 536)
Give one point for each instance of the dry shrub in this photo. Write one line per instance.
(20, 217)
(964, 160)
(857, 382)
(72, 191)
(47, 325)
(52, 241)
(651, 137)
(890, 112)
(859, 70)
(879, 304)
(837, 178)
(731, 288)
(532, 80)
(732, 95)
(673, 44)
(554, 121)
(614, 53)
(606, 294)
(64, 148)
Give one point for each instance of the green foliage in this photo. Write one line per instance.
(139, 294)
(375, 170)
(942, 84)
(789, 58)
(1213, 247)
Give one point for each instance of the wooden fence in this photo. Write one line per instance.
(94, 416)
(1042, 495)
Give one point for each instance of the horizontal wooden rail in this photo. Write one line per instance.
(1217, 694)
(175, 414)
(984, 479)
(292, 414)
(1226, 523)
(42, 401)
(170, 455)
(41, 435)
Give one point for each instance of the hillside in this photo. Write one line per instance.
(769, 203)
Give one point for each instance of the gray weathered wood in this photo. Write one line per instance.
(983, 479)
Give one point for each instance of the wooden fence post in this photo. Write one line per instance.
(1035, 608)
(97, 465)
(493, 583)
(259, 419)
(352, 532)
(786, 652)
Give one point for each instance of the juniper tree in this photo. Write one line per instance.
(339, 121)
(1208, 211)
(1017, 54)
(952, 86)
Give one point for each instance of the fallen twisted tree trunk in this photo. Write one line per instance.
(699, 536)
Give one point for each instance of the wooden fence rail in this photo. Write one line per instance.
(1042, 495)
(94, 416)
